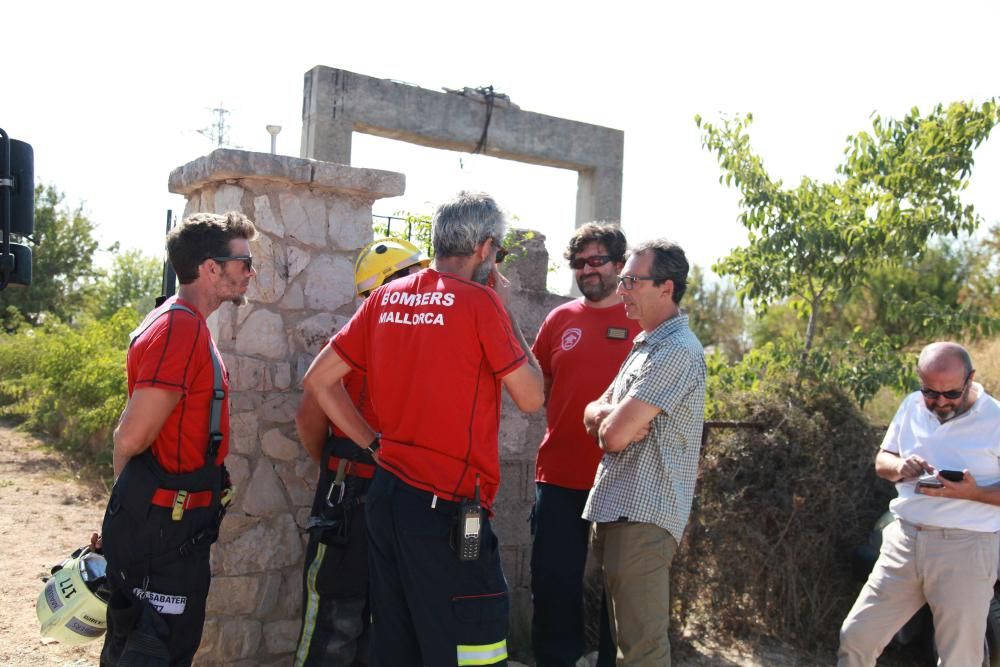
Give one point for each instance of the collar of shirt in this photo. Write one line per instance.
(666, 329)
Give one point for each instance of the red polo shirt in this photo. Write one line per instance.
(434, 347)
(580, 350)
(173, 354)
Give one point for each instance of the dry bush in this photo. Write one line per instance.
(986, 359)
(777, 514)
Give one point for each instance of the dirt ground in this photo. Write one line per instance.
(47, 511)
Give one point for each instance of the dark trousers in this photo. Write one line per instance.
(428, 607)
(335, 611)
(558, 557)
(157, 611)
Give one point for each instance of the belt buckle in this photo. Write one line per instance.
(177, 513)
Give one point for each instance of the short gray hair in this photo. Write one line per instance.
(465, 222)
(669, 263)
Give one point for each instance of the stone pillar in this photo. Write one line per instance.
(312, 219)
(520, 435)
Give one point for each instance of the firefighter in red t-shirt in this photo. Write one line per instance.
(335, 610)
(579, 347)
(436, 347)
(169, 445)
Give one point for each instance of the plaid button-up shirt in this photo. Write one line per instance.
(652, 481)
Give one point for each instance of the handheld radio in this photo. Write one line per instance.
(470, 527)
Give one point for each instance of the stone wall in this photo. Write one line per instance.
(313, 217)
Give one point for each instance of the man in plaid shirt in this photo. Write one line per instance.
(649, 425)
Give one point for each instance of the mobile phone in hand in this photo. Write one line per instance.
(930, 481)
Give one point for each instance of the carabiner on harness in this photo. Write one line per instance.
(340, 488)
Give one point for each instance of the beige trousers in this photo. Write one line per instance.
(952, 570)
(635, 562)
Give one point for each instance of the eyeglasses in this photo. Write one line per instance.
(628, 282)
(951, 394)
(501, 253)
(593, 261)
(246, 259)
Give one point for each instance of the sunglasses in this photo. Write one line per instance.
(246, 259)
(593, 261)
(951, 394)
(628, 282)
(501, 253)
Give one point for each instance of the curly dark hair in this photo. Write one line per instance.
(607, 234)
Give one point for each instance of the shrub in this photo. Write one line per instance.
(776, 516)
(68, 382)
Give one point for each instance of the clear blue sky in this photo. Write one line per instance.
(111, 94)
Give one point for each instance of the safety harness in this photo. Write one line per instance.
(344, 473)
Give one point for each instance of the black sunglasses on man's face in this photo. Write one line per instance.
(246, 259)
(951, 394)
(593, 261)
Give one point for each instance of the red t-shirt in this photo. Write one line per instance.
(580, 349)
(356, 385)
(434, 347)
(173, 354)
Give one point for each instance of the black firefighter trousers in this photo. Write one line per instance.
(428, 607)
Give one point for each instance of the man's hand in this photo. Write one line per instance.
(501, 286)
(891, 466)
(913, 466)
(967, 489)
(96, 542)
(642, 432)
(594, 414)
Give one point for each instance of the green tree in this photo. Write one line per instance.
(134, 281)
(715, 314)
(814, 244)
(63, 272)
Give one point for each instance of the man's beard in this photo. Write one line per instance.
(481, 274)
(954, 411)
(595, 290)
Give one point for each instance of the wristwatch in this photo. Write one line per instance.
(374, 445)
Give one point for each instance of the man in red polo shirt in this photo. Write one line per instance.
(436, 347)
(579, 347)
(169, 445)
(335, 610)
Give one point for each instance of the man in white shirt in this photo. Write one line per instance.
(943, 547)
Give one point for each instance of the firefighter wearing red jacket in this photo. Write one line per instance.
(436, 347)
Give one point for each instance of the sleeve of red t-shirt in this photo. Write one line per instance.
(542, 348)
(503, 352)
(170, 354)
(351, 342)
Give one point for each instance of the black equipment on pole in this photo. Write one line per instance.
(17, 209)
(169, 276)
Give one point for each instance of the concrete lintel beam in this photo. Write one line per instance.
(224, 163)
(337, 102)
